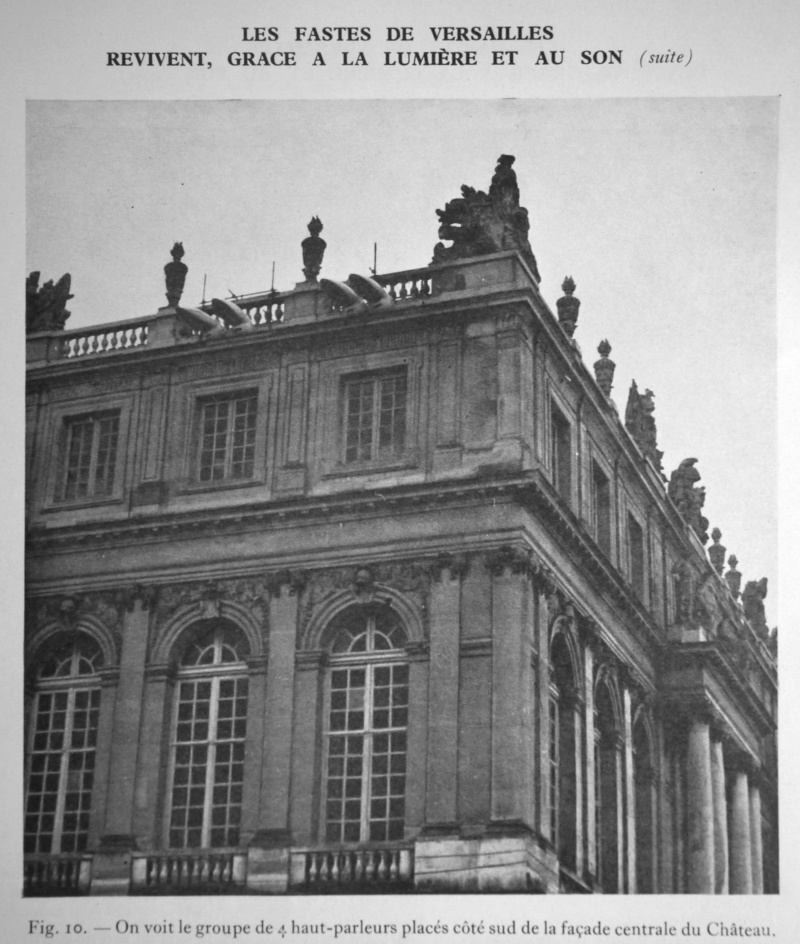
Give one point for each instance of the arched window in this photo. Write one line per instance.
(366, 728)
(562, 782)
(208, 732)
(608, 784)
(61, 754)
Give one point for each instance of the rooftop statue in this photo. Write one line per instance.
(641, 424)
(481, 223)
(175, 275)
(753, 597)
(688, 497)
(568, 306)
(46, 306)
(313, 247)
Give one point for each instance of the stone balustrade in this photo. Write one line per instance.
(410, 283)
(57, 875)
(173, 872)
(316, 869)
(101, 340)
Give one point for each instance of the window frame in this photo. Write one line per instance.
(72, 685)
(602, 535)
(638, 565)
(230, 399)
(61, 419)
(561, 447)
(377, 379)
(216, 673)
(330, 415)
(370, 661)
(185, 454)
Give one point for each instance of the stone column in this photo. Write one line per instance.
(629, 804)
(149, 799)
(543, 713)
(511, 779)
(279, 705)
(619, 761)
(755, 840)
(442, 722)
(591, 772)
(720, 818)
(580, 767)
(254, 744)
(741, 852)
(109, 684)
(700, 810)
(307, 747)
(127, 722)
(417, 758)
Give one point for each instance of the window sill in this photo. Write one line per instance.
(373, 467)
(201, 488)
(73, 504)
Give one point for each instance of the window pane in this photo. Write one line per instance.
(61, 762)
(90, 457)
(366, 772)
(208, 739)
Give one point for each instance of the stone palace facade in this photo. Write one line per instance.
(367, 586)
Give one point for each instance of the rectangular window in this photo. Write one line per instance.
(375, 417)
(636, 551)
(365, 795)
(227, 427)
(561, 453)
(601, 508)
(208, 774)
(90, 456)
(61, 770)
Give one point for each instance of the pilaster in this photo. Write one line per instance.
(127, 720)
(276, 764)
(442, 768)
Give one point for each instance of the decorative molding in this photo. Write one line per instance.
(361, 585)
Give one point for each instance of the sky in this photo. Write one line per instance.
(662, 210)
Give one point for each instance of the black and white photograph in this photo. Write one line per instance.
(400, 466)
(386, 498)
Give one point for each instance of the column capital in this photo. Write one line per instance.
(456, 566)
(293, 580)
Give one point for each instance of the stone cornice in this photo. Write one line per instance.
(711, 657)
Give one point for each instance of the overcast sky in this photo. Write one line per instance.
(662, 210)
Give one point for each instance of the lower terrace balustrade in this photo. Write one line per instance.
(319, 870)
(181, 872)
(57, 875)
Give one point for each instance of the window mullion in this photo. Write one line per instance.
(63, 772)
(93, 452)
(366, 791)
(213, 710)
(376, 418)
(229, 421)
